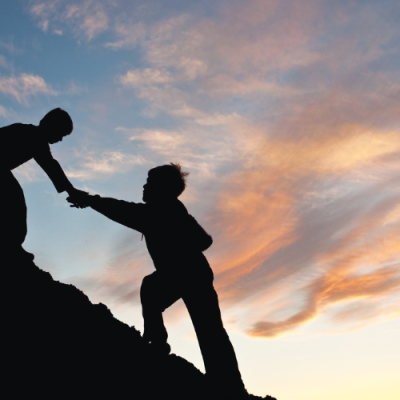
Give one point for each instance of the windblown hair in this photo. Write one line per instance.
(171, 177)
(57, 119)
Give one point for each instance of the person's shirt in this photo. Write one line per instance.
(174, 239)
(20, 143)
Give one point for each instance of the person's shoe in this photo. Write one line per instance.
(223, 389)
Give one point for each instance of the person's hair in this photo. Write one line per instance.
(171, 177)
(57, 119)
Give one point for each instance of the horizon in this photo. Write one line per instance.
(286, 116)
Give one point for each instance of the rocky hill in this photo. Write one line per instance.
(58, 345)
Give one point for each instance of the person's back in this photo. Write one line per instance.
(20, 143)
(174, 239)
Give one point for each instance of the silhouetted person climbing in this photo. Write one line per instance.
(176, 243)
(19, 144)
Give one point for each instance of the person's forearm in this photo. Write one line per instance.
(109, 207)
(56, 174)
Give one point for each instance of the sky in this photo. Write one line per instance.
(286, 114)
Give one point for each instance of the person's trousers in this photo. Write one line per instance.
(159, 292)
(13, 211)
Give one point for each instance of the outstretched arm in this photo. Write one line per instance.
(123, 212)
(54, 171)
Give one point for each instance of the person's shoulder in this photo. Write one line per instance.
(181, 207)
(21, 134)
(174, 205)
(18, 126)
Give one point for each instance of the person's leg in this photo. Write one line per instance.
(218, 354)
(14, 212)
(157, 293)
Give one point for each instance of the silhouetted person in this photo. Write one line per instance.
(176, 243)
(19, 144)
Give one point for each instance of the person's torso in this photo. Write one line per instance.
(19, 144)
(168, 241)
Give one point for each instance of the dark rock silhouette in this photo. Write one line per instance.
(58, 345)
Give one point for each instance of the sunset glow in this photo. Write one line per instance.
(287, 116)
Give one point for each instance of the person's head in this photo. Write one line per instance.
(164, 183)
(56, 124)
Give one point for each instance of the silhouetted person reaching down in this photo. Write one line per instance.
(176, 243)
(19, 144)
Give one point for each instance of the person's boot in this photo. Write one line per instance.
(223, 389)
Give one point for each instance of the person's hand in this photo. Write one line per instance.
(78, 198)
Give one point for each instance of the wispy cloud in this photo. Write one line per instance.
(120, 281)
(28, 172)
(24, 87)
(97, 166)
(87, 17)
(145, 77)
(129, 35)
(3, 111)
(290, 113)
(3, 62)
(94, 24)
(9, 46)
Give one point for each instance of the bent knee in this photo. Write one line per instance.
(149, 286)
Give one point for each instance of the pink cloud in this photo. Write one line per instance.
(290, 110)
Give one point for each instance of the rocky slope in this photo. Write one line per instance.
(58, 345)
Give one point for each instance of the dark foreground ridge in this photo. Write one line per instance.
(58, 345)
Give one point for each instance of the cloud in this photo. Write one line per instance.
(85, 17)
(315, 155)
(308, 259)
(28, 173)
(98, 166)
(10, 47)
(3, 62)
(145, 77)
(25, 86)
(94, 24)
(287, 114)
(43, 12)
(3, 111)
(201, 144)
(300, 213)
(334, 288)
(120, 281)
(129, 35)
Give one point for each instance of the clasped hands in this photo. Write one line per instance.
(78, 198)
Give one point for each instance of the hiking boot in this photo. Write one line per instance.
(223, 389)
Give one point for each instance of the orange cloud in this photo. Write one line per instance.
(290, 127)
(323, 203)
(330, 289)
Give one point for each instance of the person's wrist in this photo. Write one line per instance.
(92, 198)
(70, 190)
